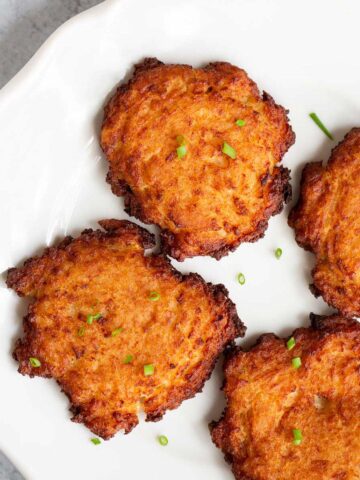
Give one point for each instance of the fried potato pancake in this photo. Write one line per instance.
(119, 330)
(267, 399)
(205, 201)
(326, 220)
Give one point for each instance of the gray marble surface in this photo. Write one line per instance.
(24, 26)
(7, 470)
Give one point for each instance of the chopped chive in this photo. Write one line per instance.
(241, 278)
(297, 436)
(163, 440)
(149, 370)
(154, 296)
(278, 253)
(181, 151)
(81, 332)
(35, 362)
(296, 362)
(240, 123)
(128, 359)
(96, 441)
(290, 344)
(90, 318)
(180, 139)
(319, 123)
(228, 150)
(116, 332)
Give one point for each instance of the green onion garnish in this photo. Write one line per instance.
(229, 151)
(128, 359)
(290, 344)
(278, 253)
(181, 151)
(35, 362)
(90, 318)
(319, 123)
(149, 370)
(296, 362)
(154, 296)
(240, 123)
(81, 332)
(96, 441)
(163, 440)
(116, 332)
(241, 278)
(297, 436)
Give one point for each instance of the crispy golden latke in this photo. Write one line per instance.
(206, 203)
(327, 222)
(96, 321)
(267, 398)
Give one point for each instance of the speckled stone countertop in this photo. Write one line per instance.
(24, 26)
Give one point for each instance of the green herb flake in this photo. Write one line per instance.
(116, 332)
(297, 436)
(90, 318)
(163, 440)
(241, 278)
(296, 362)
(128, 359)
(81, 332)
(240, 123)
(228, 150)
(181, 151)
(154, 296)
(290, 344)
(35, 362)
(149, 370)
(278, 253)
(319, 123)
(95, 441)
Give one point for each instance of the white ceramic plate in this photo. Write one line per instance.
(52, 183)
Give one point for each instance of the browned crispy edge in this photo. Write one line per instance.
(201, 374)
(280, 193)
(17, 276)
(311, 174)
(324, 324)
